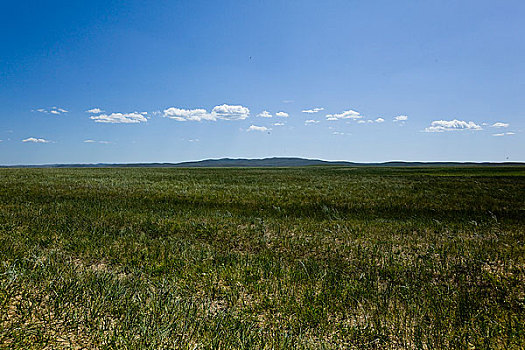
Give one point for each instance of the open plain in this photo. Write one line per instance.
(312, 257)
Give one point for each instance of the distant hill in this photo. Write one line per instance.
(265, 162)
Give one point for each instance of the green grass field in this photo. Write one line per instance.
(313, 258)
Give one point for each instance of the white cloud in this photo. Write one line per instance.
(451, 125)
(53, 110)
(338, 133)
(264, 114)
(500, 125)
(510, 133)
(35, 140)
(282, 114)
(119, 118)
(193, 140)
(311, 121)
(379, 120)
(361, 122)
(313, 110)
(401, 118)
(257, 128)
(188, 114)
(93, 141)
(278, 124)
(225, 112)
(94, 111)
(228, 112)
(350, 114)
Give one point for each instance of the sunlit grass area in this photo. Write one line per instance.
(327, 257)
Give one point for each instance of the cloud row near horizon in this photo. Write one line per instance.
(239, 112)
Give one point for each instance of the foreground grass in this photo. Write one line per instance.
(428, 258)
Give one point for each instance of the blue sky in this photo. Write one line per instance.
(169, 81)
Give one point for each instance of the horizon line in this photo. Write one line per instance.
(328, 162)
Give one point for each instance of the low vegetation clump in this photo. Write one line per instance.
(307, 258)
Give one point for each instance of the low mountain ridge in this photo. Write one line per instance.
(263, 162)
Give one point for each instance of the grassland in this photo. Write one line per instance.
(329, 257)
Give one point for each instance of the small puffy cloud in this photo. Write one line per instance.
(451, 125)
(188, 114)
(361, 122)
(229, 112)
(311, 121)
(338, 133)
(278, 124)
(379, 120)
(193, 140)
(401, 118)
(500, 125)
(226, 112)
(53, 110)
(282, 114)
(313, 110)
(35, 140)
(264, 114)
(257, 128)
(119, 118)
(350, 114)
(94, 110)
